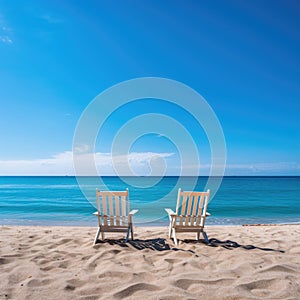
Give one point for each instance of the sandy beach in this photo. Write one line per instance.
(242, 262)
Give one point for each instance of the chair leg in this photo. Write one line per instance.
(127, 235)
(170, 229)
(102, 235)
(174, 236)
(97, 235)
(131, 230)
(197, 235)
(205, 237)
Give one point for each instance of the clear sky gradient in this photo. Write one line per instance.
(243, 57)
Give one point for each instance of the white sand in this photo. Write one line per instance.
(61, 263)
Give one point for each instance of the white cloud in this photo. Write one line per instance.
(251, 169)
(5, 39)
(136, 163)
(277, 168)
(80, 149)
(5, 33)
(141, 163)
(62, 164)
(51, 19)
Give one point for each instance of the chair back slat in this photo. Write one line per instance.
(183, 206)
(118, 211)
(124, 209)
(194, 211)
(201, 204)
(191, 208)
(190, 203)
(113, 207)
(180, 220)
(198, 221)
(111, 210)
(104, 208)
(178, 202)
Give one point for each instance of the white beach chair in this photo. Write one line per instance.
(113, 213)
(190, 214)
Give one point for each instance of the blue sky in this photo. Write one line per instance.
(241, 56)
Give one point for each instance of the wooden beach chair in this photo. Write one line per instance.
(113, 213)
(190, 214)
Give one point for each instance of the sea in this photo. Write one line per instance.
(70, 201)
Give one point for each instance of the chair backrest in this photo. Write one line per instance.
(191, 207)
(113, 207)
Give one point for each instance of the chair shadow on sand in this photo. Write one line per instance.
(160, 244)
(230, 245)
(157, 244)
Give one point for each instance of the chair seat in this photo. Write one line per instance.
(114, 228)
(188, 229)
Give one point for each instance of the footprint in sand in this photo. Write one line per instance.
(280, 268)
(112, 275)
(37, 282)
(4, 261)
(135, 288)
(189, 284)
(263, 287)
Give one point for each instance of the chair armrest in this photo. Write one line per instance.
(170, 212)
(208, 214)
(134, 211)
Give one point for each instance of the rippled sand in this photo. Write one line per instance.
(252, 262)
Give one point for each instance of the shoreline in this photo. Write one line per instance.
(160, 225)
(242, 262)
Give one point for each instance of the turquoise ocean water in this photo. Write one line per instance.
(59, 200)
